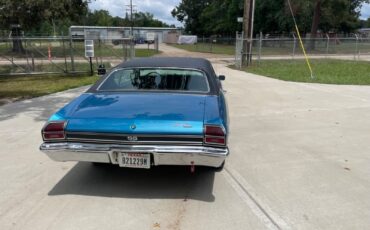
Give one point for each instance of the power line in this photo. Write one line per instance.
(130, 8)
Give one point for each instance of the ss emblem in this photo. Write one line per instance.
(132, 138)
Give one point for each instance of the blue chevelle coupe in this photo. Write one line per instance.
(144, 113)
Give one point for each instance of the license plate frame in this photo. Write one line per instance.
(134, 160)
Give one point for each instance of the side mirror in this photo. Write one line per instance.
(221, 77)
(102, 70)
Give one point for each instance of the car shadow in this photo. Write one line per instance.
(164, 182)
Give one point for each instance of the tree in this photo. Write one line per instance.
(146, 19)
(207, 17)
(31, 14)
(99, 18)
(315, 23)
(335, 15)
(141, 19)
(189, 12)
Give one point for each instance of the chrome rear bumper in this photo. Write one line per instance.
(162, 155)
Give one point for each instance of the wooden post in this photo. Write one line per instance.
(246, 29)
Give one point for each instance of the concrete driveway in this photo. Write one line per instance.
(299, 160)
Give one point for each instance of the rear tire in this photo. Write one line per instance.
(219, 168)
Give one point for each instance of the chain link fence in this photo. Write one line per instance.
(66, 55)
(354, 46)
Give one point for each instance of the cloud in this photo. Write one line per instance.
(160, 9)
(365, 11)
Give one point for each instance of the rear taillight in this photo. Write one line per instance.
(214, 135)
(54, 130)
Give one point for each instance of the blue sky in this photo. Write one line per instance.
(365, 11)
(161, 9)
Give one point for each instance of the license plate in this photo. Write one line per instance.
(134, 160)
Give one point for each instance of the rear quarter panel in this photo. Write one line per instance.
(216, 112)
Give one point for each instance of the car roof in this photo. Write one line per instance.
(176, 62)
(168, 62)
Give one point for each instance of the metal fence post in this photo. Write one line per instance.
(260, 48)
(65, 55)
(294, 45)
(357, 51)
(236, 47)
(33, 62)
(327, 45)
(26, 50)
(71, 50)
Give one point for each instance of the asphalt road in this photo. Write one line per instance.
(299, 160)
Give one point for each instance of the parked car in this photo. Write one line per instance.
(143, 113)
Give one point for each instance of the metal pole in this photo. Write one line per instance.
(71, 49)
(132, 22)
(33, 62)
(28, 64)
(91, 67)
(65, 55)
(294, 45)
(251, 30)
(236, 47)
(260, 48)
(357, 52)
(327, 44)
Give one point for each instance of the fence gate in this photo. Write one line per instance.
(238, 49)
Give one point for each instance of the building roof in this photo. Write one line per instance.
(125, 28)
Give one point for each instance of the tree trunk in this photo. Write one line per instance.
(17, 41)
(315, 24)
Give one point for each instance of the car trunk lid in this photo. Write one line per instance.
(139, 113)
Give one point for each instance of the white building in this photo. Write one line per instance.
(111, 33)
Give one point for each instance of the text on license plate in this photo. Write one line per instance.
(134, 160)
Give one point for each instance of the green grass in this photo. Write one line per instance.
(20, 87)
(326, 71)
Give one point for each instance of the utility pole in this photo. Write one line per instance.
(130, 8)
(248, 31)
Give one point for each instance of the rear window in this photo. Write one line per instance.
(156, 79)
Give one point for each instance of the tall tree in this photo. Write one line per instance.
(189, 12)
(207, 17)
(30, 14)
(315, 22)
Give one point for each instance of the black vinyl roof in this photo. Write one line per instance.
(168, 62)
(179, 62)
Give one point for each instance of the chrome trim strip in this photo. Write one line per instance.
(132, 134)
(136, 142)
(162, 155)
(165, 91)
(104, 138)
